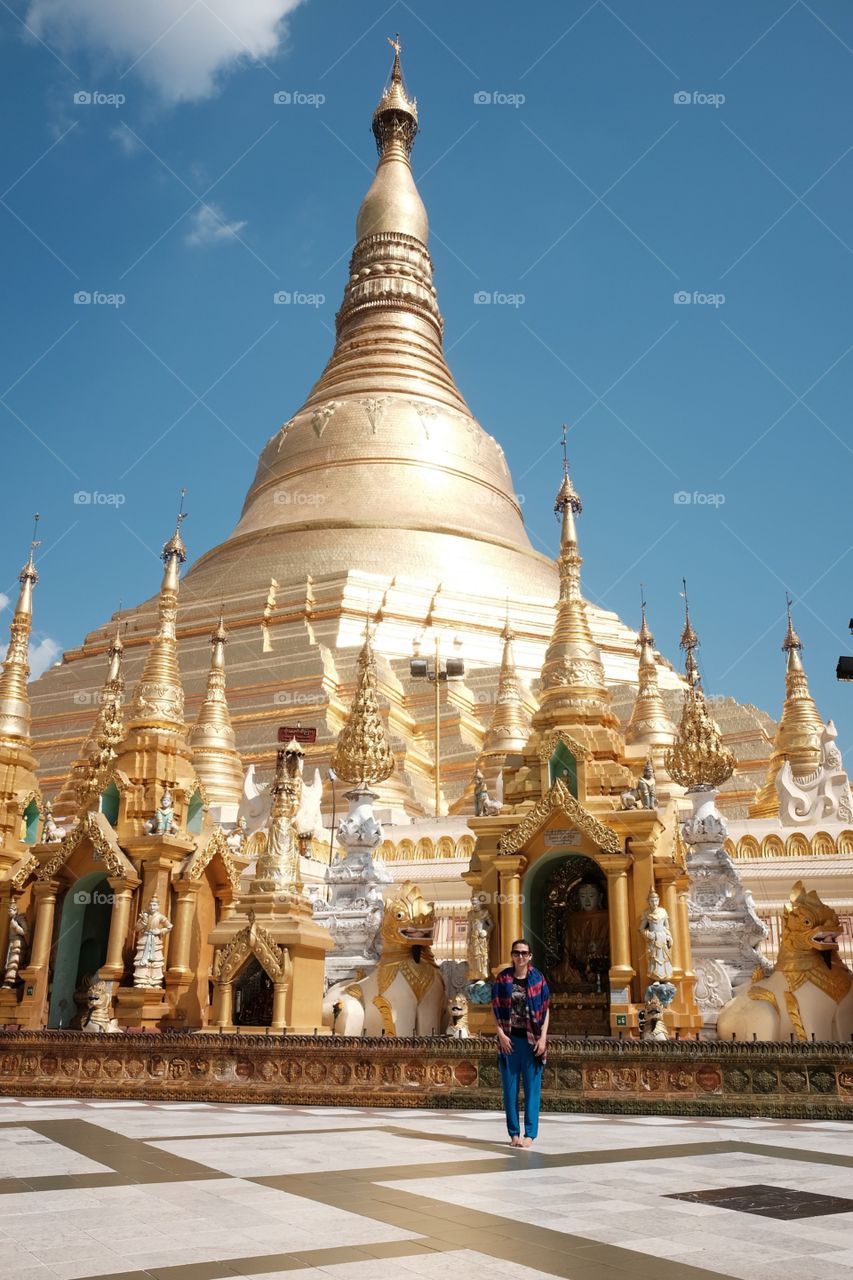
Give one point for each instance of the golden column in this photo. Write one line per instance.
(186, 895)
(510, 868)
(615, 867)
(33, 1006)
(113, 967)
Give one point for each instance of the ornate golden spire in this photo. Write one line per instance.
(509, 728)
(90, 770)
(697, 758)
(363, 756)
(214, 745)
(395, 119)
(797, 737)
(649, 724)
(158, 700)
(14, 698)
(572, 680)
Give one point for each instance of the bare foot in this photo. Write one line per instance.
(526, 1142)
(515, 1142)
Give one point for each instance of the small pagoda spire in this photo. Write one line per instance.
(798, 733)
(158, 700)
(573, 673)
(89, 772)
(15, 712)
(363, 755)
(697, 759)
(212, 739)
(649, 725)
(509, 727)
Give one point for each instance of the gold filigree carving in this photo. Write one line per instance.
(216, 846)
(551, 741)
(558, 798)
(794, 1014)
(255, 940)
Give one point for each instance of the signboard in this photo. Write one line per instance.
(562, 836)
(302, 736)
(621, 1020)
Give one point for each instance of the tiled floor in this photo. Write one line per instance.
(127, 1191)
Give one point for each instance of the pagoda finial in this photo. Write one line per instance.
(395, 119)
(362, 755)
(212, 739)
(15, 714)
(697, 759)
(158, 700)
(798, 733)
(649, 724)
(573, 672)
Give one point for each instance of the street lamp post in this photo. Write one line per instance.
(453, 669)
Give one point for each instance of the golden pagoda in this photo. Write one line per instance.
(798, 732)
(697, 757)
(363, 756)
(91, 768)
(649, 725)
(212, 738)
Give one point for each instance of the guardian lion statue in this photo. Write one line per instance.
(809, 993)
(405, 993)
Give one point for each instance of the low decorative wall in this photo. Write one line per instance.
(677, 1078)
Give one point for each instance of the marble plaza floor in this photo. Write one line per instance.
(198, 1192)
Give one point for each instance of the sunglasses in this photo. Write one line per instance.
(519, 953)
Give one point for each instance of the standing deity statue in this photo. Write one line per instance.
(654, 926)
(480, 925)
(149, 961)
(647, 792)
(19, 936)
(277, 867)
(163, 822)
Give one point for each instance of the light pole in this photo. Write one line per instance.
(420, 669)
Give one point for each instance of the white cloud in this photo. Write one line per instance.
(209, 226)
(125, 140)
(43, 654)
(182, 48)
(4, 600)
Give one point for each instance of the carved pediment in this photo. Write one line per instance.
(551, 740)
(94, 827)
(558, 799)
(253, 940)
(215, 846)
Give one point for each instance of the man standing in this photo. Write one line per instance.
(520, 1001)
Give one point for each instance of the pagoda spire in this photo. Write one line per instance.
(214, 746)
(90, 770)
(363, 755)
(649, 725)
(798, 733)
(697, 759)
(15, 712)
(509, 728)
(158, 700)
(572, 682)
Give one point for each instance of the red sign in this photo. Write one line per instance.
(287, 731)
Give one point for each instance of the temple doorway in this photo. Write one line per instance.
(84, 929)
(253, 996)
(575, 933)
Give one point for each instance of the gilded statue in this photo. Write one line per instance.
(405, 993)
(586, 938)
(480, 926)
(52, 832)
(809, 994)
(149, 962)
(654, 926)
(19, 936)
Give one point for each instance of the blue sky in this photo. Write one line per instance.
(629, 154)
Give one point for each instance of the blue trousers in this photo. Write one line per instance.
(521, 1064)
